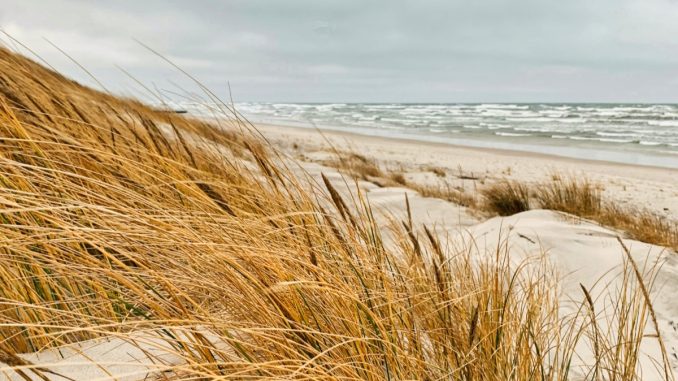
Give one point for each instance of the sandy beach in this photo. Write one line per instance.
(651, 188)
(580, 253)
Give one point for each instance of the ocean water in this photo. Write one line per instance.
(644, 134)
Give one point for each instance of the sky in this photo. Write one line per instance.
(363, 51)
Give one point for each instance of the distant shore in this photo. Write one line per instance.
(514, 145)
(643, 134)
(647, 187)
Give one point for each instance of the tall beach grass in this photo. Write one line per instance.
(117, 218)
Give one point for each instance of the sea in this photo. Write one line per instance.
(643, 134)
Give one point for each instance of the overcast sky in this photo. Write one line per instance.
(367, 51)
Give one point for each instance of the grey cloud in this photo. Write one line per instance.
(350, 50)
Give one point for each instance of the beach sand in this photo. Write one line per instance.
(651, 188)
(580, 253)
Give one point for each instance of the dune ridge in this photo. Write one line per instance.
(138, 244)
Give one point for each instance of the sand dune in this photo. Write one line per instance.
(578, 253)
(140, 245)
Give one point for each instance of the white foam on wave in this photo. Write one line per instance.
(418, 111)
(290, 105)
(502, 106)
(383, 107)
(554, 113)
(497, 113)
(618, 134)
(533, 129)
(610, 113)
(632, 109)
(396, 120)
(513, 134)
(530, 119)
(607, 140)
(494, 126)
(572, 120)
(611, 140)
(581, 138)
(651, 126)
(467, 118)
(663, 123)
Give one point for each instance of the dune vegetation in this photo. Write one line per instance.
(118, 219)
(582, 198)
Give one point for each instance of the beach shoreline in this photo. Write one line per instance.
(632, 134)
(336, 132)
(629, 185)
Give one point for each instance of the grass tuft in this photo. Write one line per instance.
(506, 198)
(582, 198)
(446, 192)
(570, 195)
(356, 165)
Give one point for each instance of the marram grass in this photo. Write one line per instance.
(117, 218)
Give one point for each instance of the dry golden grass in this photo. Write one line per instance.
(117, 218)
(506, 198)
(355, 165)
(398, 178)
(571, 195)
(640, 224)
(581, 197)
(360, 167)
(446, 192)
(440, 172)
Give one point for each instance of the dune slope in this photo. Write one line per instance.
(138, 244)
